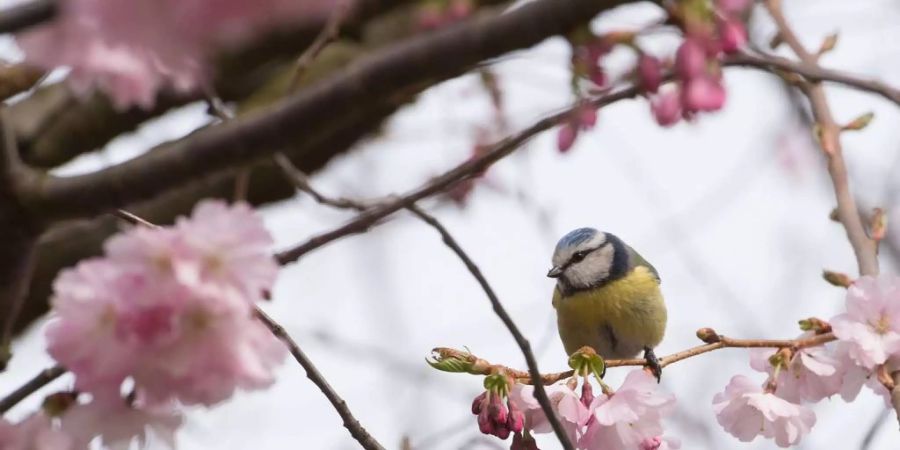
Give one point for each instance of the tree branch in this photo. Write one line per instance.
(813, 73)
(428, 57)
(466, 170)
(25, 15)
(40, 380)
(482, 367)
(353, 426)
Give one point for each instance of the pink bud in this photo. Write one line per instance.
(732, 7)
(502, 433)
(666, 107)
(649, 71)
(566, 137)
(516, 420)
(651, 443)
(690, 59)
(587, 117)
(484, 423)
(478, 403)
(496, 410)
(732, 35)
(703, 94)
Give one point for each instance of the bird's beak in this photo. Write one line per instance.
(555, 272)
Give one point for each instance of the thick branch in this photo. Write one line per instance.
(27, 14)
(40, 380)
(427, 57)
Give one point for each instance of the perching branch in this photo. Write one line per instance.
(482, 367)
(356, 429)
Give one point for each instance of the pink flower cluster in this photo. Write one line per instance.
(167, 313)
(699, 79)
(133, 49)
(868, 340)
(628, 419)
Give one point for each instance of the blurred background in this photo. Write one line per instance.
(732, 210)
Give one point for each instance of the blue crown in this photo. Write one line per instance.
(576, 237)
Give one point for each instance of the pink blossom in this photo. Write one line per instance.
(118, 425)
(812, 373)
(37, 432)
(854, 377)
(566, 404)
(649, 71)
(565, 137)
(703, 94)
(233, 246)
(745, 411)
(732, 35)
(172, 309)
(133, 49)
(666, 107)
(628, 417)
(690, 60)
(871, 325)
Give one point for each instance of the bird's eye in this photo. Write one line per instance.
(578, 256)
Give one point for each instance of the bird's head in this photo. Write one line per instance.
(586, 258)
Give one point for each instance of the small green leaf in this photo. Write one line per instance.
(586, 361)
(451, 364)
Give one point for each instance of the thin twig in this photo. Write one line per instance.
(326, 36)
(356, 429)
(813, 73)
(539, 392)
(40, 380)
(466, 170)
(133, 218)
(483, 367)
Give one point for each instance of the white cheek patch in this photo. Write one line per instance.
(593, 270)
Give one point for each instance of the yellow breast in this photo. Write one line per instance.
(631, 308)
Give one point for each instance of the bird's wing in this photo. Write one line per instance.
(637, 260)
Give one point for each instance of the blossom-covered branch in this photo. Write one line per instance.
(478, 366)
(432, 56)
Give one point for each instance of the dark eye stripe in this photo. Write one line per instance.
(575, 259)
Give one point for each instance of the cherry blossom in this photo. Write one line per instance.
(626, 418)
(496, 418)
(649, 71)
(118, 424)
(871, 325)
(133, 49)
(666, 106)
(566, 404)
(37, 432)
(812, 374)
(171, 309)
(745, 411)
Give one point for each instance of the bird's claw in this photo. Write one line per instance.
(653, 363)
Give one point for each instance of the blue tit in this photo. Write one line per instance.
(607, 297)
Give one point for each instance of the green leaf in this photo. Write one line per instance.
(451, 364)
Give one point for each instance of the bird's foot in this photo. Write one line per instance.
(653, 363)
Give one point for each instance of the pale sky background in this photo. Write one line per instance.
(732, 210)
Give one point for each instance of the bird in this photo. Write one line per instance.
(607, 297)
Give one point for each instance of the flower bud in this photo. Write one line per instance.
(708, 335)
(566, 137)
(860, 122)
(649, 71)
(690, 60)
(703, 94)
(732, 35)
(666, 108)
(837, 278)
